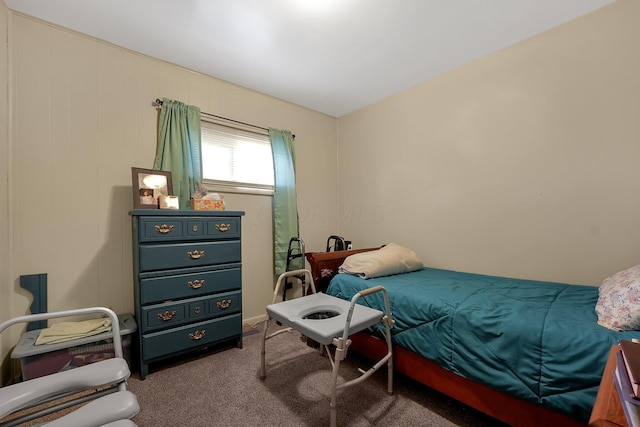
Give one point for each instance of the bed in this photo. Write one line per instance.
(527, 353)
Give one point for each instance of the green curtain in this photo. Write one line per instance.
(179, 148)
(285, 206)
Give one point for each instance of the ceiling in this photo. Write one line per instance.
(332, 56)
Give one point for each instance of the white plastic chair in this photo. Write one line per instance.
(112, 405)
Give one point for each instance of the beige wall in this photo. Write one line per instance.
(523, 163)
(82, 117)
(5, 292)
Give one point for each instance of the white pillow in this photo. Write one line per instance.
(618, 305)
(388, 260)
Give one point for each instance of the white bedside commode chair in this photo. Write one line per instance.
(329, 320)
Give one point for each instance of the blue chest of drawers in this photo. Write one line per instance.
(187, 268)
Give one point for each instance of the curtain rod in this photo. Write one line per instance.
(158, 103)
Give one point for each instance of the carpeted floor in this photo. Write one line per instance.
(221, 387)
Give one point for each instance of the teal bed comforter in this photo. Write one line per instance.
(538, 341)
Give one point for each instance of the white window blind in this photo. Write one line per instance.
(236, 159)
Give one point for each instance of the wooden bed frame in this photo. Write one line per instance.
(506, 408)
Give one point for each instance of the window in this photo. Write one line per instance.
(235, 158)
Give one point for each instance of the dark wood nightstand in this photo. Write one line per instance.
(607, 411)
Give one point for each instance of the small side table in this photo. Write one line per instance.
(607, 410)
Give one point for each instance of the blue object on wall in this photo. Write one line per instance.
(37, 285)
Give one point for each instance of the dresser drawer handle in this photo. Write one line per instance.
(225, 303)
(196, 284)
(223, 227)
(167, 315)
(164, 228)
(196, 310)
(197, 335)
(195, 254)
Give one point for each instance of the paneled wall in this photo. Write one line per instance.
(522, 163)
(5, 252)
(82, 117)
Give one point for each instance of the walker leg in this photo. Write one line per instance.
(334, 391)
(388, 322)
(340, 354)
(390, 376)
(263, 371)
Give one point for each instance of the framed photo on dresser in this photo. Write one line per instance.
(148, 185)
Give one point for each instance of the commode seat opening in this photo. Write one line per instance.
(321, 315)
(321, 312)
